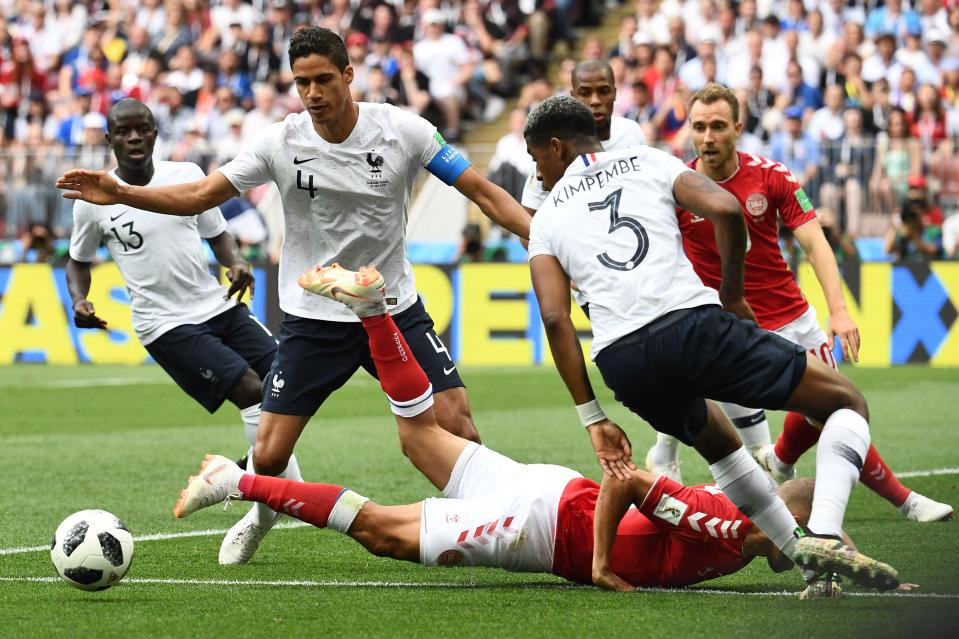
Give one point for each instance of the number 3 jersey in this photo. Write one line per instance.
(161, 257)
(611, 223)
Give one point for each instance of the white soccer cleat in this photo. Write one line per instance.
(218, 480)
(767, 460)
(243, 539)
(922, 509)
(822, 554)
(658, 465)
(363, 290)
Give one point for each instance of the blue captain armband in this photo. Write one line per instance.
(448, 164)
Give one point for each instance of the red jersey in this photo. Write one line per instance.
(767, 191)
(679, 536)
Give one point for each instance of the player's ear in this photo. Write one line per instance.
(739, 128)
(348, 74)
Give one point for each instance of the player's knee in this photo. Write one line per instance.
(453, 414)
(269, 460)
(857, 401)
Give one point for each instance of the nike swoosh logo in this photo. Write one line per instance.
(114, 218)
(448, 371)
(299, 161)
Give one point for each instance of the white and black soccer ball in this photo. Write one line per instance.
(92, 549)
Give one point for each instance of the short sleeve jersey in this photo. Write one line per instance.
(343, 202)
(767, 192)
(623, 134)
(161, 257)
(611, 223)
(679, 535)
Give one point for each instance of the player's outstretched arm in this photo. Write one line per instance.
(615, 498)
(192, 198)
(697, 193)
(551, 284)
(817, 249)
(78, 283)
(495, 203)
(238, 269)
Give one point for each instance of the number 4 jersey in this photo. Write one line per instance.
(160, 256)
(611, 223)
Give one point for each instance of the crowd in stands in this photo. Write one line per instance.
(860, 99)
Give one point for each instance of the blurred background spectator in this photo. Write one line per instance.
(858, 98)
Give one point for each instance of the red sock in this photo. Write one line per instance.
(797, 437)
(881, 480)
(401, 376)
(311, 503)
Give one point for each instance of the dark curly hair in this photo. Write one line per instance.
(319, 41)
(560, 117)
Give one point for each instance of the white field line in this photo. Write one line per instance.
(211, 532)
(120, 381)
(928, 473)
(308, 583)
(299, 524)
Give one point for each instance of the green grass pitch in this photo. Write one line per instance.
(125, 439)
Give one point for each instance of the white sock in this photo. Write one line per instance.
(251, 422)
(664, 451)
(839, 458)
(345, 510)
(751, 424)
(263, 515)
(746, 485)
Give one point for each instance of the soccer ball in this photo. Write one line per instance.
(92, 549)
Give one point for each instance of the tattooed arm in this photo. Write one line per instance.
(698, 194)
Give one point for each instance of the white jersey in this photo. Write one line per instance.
(623, 134)
(160, 256)
(611, 222)
(343, 202)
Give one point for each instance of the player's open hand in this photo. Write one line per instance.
(613, 449)
(241, 279)
(609, 580)
(84, 316)
(96, 187)
(842, 325)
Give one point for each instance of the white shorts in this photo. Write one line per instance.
(805, 331)
(498, 513)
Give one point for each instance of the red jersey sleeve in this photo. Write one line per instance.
(795, 207)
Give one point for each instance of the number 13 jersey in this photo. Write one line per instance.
(161, 257)
(611, 223)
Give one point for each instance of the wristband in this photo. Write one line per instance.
(590, 413)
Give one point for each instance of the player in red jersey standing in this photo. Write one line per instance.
(675, 535)
(768, 192)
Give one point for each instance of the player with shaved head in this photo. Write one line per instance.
(210, 344)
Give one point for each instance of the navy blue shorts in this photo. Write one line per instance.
(317, 357)
(207, 360)
(665, 371)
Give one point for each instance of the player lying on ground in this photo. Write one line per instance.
(767, 191)
(212, 346)
(345, 173)
(676, 536)
(661, 339)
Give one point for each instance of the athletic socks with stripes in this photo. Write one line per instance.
(322, 505)
(401, 377)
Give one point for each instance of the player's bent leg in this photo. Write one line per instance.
(275, 440)
(431, 449)
(272, 456)
(453, 413)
